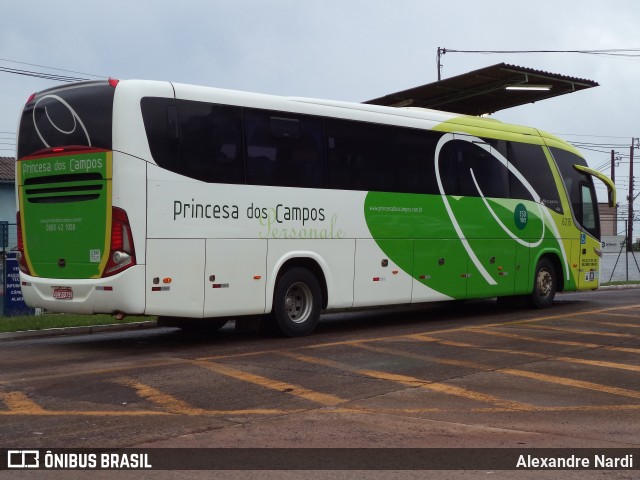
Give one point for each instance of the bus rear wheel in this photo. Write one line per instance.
(297, 302)
(544, 284)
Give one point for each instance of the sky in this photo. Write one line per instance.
(352, 50)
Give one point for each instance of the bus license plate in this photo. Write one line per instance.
(62, 293)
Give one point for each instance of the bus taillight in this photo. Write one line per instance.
(22, 260)
(122, 254)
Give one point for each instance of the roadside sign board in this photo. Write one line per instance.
(13, 300)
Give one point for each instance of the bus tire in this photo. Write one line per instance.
(545, 284)
(297, 301)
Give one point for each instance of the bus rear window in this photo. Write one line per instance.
(79, 114)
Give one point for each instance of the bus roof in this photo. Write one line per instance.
(408, 116)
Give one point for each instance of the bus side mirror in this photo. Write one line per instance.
(602, 177)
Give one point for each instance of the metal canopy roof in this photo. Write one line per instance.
(7, 169)
(485, 90)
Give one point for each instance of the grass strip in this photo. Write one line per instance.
(59, 320)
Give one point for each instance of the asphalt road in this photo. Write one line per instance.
(449, 375)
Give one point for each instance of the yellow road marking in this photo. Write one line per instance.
(579, 332)
(295, 390)
(449, 390)
(555, 342)
(147, 413)
(523, 373)
(415, 382)
(587, 313)
(165, 401)
(625, 315)
(600, 363)
(19, 403)
(427, 358)
(613, 324)
(434, 332)
(84, 413)
(595, 363)
(329, 410)
(423, 337)
(321, 361)
(78, 371)
(572, 383)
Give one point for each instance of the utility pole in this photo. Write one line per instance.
(441, 51)
(613, 179)
(613, 166)
(630, 219)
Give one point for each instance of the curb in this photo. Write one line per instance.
(620, 287)
(54, 332)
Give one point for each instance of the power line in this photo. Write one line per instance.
(601, 145)
(613, 52)
(51, 68)
(47, 76)
(590, 149)
(589, 135)
(58, 77)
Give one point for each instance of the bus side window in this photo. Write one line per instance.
(228, 160)
(579, 189)
(161, 134)
(479, 172)
(211, 142)
(589, 206)
(415, 151)
(532, 163)
(262, 149)
(196, 139)
(284, 149)
(300, 150)
(307, 158)
(360, 156)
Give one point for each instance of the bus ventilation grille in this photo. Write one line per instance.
(73, 187)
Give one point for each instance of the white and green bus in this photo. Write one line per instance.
(186, 202)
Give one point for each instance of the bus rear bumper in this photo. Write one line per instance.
(120, 293)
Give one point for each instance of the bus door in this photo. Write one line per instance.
(590, 247)
(578, 180)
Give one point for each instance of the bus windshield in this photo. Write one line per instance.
(74, 115)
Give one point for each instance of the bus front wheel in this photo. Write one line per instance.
(297, 301)
(544, 284)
